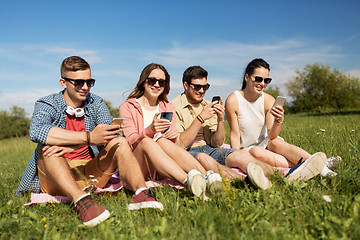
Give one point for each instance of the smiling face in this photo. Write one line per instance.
(252, 85)
(154, 91)
(75, 96)
(195, 96)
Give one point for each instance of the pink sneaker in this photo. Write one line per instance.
(90, 212)
(145, 199)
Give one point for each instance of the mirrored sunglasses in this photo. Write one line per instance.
(260, 79)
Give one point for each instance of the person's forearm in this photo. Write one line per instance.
(218, 137)
(188, 136)
(61, 137)
(234, 140)
(275, 130)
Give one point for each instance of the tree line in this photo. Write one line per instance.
(317, 88)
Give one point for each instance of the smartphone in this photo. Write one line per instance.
(279, 101)
(216, 99)
(168, 116)
(117, 121)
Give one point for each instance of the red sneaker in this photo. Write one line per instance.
(145, 199)
(90, 212)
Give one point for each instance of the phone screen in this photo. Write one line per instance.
(216, 99)
(168, 116)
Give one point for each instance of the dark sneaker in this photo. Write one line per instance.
(256, 176)
(145, 199)
(214, 183)
(307, 169)
(90, 212)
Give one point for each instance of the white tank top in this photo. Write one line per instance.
(148, 115)
(252, 121)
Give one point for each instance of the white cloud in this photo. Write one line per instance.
(25, 99)
(354, 73)
(120, 68)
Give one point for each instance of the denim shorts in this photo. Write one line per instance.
(219, 154)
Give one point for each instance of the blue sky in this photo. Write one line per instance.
(119, 38)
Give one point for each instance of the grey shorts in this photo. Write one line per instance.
(219, 154)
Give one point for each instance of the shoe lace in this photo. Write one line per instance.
(150, 193)
(84, 204)
(293, 168)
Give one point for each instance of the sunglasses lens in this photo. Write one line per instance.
(206, 87)
(79, 83)
(151, 81)
(258, 79)
(197, 87)
(161, 83)
(90, 83)
(267, 80)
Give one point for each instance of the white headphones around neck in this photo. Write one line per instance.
(78, 112)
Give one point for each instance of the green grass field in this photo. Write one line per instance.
(296, 211)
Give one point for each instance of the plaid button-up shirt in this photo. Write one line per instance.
(49, 112)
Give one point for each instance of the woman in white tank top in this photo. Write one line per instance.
(255, 124)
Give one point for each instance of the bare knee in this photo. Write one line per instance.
(276, 144)
(257, 152)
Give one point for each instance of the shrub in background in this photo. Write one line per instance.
(14, 123)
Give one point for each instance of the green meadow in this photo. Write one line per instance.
(297, 211)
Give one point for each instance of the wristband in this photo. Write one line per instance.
(200, 118)
(88, 138)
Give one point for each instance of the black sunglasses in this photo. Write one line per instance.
(79, 83)
(152, 81)
(197, 87)
(260, 79)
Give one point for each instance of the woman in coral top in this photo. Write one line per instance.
(153, 139)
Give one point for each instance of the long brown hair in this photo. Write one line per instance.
(139, 89)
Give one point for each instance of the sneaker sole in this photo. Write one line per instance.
(198, 185)
(150, 204)
(309, 169)
(102, 217)
(216, 188)
(256, 176)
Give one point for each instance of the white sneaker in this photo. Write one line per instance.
(257, 177)
(326, 172)
(214, 183)
(307, 169)
(333, 162)
(196, 183)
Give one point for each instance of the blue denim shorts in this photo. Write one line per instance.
(219, 154)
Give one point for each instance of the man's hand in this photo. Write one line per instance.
(102, 134)
(208, 111)
(58, 151)
(158, 124)
(220, 110)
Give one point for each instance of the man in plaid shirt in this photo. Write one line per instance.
(77, 147)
